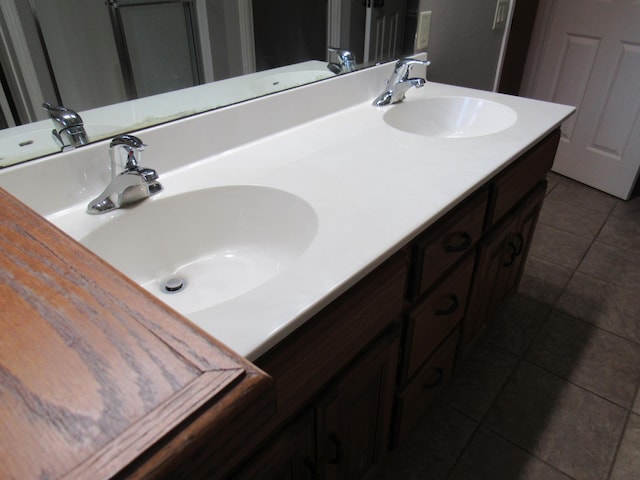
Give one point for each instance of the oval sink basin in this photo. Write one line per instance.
(202, 248)
(451, 117)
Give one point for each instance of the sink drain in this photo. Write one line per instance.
(174, 285)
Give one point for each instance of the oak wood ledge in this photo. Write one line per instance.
(98, 379)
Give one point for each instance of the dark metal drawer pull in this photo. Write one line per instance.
(454, 303)
(515, 245)
(459, 242)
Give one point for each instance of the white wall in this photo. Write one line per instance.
(463, 48)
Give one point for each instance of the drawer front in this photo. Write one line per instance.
(509, 187)
(436, 316)
(418, 395)
(449, 242)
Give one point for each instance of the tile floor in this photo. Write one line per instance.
(550, 392)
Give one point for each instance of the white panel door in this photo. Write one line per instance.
(385, 27)
(589, 57)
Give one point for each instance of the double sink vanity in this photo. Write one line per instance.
(334, 260)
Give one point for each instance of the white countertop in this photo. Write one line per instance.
(372, 187)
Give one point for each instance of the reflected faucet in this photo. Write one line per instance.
(69, 131)
(347, 61)
(130, 183)
(399, 82)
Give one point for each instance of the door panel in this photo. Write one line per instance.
(383, 36)
(590, 58)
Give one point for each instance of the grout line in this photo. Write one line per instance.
(481, 423)
(581, 387)
(614, 461)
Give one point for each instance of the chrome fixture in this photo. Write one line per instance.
(69, 131)
(399, 82)
(130, 183)
(347, 61)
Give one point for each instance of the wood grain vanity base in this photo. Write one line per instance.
(99, 379)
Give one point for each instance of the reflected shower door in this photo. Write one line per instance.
(157, 45)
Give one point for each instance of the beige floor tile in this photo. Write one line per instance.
(599, 361)
(490, 457)
(604, 304)
(564, 425)
(627, 465)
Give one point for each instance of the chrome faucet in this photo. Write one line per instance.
(69, 131)
(399, 82)
(130, 183)
(347, 61)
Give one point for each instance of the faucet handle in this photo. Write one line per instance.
(63, 116)
(412, 61)
(123, 150)
(127, 140)
(403, 66)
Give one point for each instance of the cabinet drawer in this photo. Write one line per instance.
(510, 186)
(448, 241)
(418, 395)
(435, 317)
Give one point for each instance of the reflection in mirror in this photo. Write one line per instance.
(124, 65)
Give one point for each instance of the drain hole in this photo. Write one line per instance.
(174, 285)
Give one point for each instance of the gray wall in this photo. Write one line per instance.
(463, 48)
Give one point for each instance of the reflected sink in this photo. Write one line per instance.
(285, 80)
(205, 247)
(451, 117)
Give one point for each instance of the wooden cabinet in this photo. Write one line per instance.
(289, 455)
(446, 242)
(339, 369)
(515, 199)
(501, 258)
(353, 417)
(464, 268)
(391, 340)
(434, 318)
(442, 268)
(414, 399)
(343, 433)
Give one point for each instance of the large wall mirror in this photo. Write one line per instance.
(128, 64)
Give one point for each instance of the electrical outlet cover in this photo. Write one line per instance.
(500, 17)
(422, 34)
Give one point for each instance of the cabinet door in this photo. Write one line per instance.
(527, 220)
(414, 399)
(290, 455)
(501, 262)
(353, 418)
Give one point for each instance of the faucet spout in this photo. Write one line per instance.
(69, 131)
(399, 82)
(130, 183)
(347, 61)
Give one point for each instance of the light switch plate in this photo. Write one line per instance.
(502, 12)
(422, 34)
